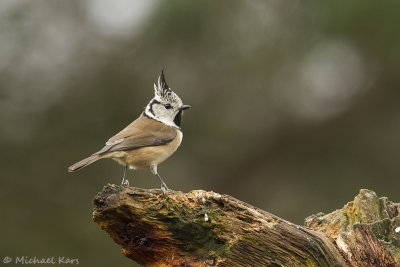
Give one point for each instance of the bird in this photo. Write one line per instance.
(150, 139)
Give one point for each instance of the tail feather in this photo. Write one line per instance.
(83, 163)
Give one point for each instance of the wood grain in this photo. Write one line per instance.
(202, 228)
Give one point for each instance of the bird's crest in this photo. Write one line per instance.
(162, 91)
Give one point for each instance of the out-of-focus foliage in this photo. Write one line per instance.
(295, 107)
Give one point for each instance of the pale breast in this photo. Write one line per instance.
(146, 156)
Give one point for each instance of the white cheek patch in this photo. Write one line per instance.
(166, 121)
(159, 113)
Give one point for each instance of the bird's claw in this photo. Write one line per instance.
(125, 183)
(164, 188)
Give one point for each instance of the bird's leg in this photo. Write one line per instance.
(164, 187)
(125, 182)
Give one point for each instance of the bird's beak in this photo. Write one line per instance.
(183, 107)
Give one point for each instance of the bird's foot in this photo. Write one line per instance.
(164, 188)
(125, 183)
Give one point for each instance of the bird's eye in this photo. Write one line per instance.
(168, 106)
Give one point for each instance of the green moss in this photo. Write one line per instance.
(396, 253)
(382, 229)
(190, 230)
(366, 208)
(103, 224)
(345, 222)
(385, 231)
(311, 263)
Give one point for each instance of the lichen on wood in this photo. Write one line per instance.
(364, 229)
(202, 228)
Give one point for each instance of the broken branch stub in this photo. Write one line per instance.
(202, 228)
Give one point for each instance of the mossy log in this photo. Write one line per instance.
(202, 228)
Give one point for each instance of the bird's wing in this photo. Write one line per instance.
(140, 133)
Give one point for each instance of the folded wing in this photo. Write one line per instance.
(142, 132)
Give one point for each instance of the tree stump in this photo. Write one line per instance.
(202, 228)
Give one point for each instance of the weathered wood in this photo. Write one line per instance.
(364, 230)
(202, 228)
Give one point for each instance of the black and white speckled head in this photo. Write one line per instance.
(166, 106)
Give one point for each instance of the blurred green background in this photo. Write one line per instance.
(295, 107)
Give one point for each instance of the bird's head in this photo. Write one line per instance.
(166, 106)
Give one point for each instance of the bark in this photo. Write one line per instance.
(202, 228)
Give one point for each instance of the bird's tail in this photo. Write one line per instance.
(83, 163)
